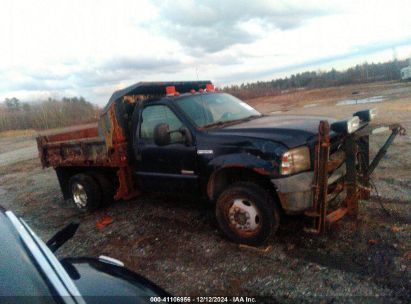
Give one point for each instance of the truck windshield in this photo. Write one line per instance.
(214, 109)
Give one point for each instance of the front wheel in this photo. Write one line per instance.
(85, 192)
(247, 214)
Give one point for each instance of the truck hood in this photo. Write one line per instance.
(290, 130)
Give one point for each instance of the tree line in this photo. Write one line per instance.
(318, 79)
(54, 113)
(51, 113)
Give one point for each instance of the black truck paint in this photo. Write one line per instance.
(248, 164)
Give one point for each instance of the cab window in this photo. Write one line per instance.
(156, 114)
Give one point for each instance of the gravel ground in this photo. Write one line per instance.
(19, 155)
(174, 241)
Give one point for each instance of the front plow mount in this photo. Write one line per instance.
(355, 183)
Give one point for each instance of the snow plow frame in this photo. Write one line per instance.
(356, 182)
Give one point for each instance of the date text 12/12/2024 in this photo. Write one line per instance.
(236, 299)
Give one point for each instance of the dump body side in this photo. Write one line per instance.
(92, 149)
(82, 147)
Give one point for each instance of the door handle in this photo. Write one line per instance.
(138, 154)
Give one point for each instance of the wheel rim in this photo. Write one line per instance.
(244, 217)
(79, 195)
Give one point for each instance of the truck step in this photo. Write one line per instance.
(312, 213)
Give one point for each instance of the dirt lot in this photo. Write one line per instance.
(174, 240)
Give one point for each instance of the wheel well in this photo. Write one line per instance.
(65, 173)
(222, 178)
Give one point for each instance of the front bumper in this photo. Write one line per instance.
(295, 192)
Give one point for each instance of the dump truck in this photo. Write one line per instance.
(188, 137)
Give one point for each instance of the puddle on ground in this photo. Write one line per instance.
(372, 99)
(310, 105)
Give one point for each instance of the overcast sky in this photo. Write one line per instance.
(92, 47)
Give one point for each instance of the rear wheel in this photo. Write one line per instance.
(247, 214)
(85, 192)
(108, 189)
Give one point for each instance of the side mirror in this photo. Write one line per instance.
(188, 137)
(62, 236)
(162, 134)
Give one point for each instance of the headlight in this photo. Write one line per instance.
(295, 160)
(366, 115)
(353, 124)
(346, 126)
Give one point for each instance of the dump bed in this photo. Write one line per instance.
(79, 146)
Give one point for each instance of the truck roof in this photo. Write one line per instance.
(155, 88)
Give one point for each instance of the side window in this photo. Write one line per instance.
(153, 115)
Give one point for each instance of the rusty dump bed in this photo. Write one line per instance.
(78, 147)
(83, 148)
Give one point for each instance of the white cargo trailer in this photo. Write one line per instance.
(406, 73)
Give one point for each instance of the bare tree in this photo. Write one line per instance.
(47, 114)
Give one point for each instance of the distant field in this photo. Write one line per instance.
(395, 104)
(17, 133)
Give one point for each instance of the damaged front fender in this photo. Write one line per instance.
(242, 162)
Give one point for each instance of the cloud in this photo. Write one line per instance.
(138, 64)
(85, 78)
(227, 41)
(107, 74)
(215, 25)
(119, 69)
(354, 51)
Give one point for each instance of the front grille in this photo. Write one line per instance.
(336, 148)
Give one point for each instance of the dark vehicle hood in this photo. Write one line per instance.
(100, 282)
(290, 130)
(25, 271)
(19, 276)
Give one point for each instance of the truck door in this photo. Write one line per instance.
(166, 168)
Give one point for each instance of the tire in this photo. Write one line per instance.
(247, 214)
(108, 190)
(85, 192)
